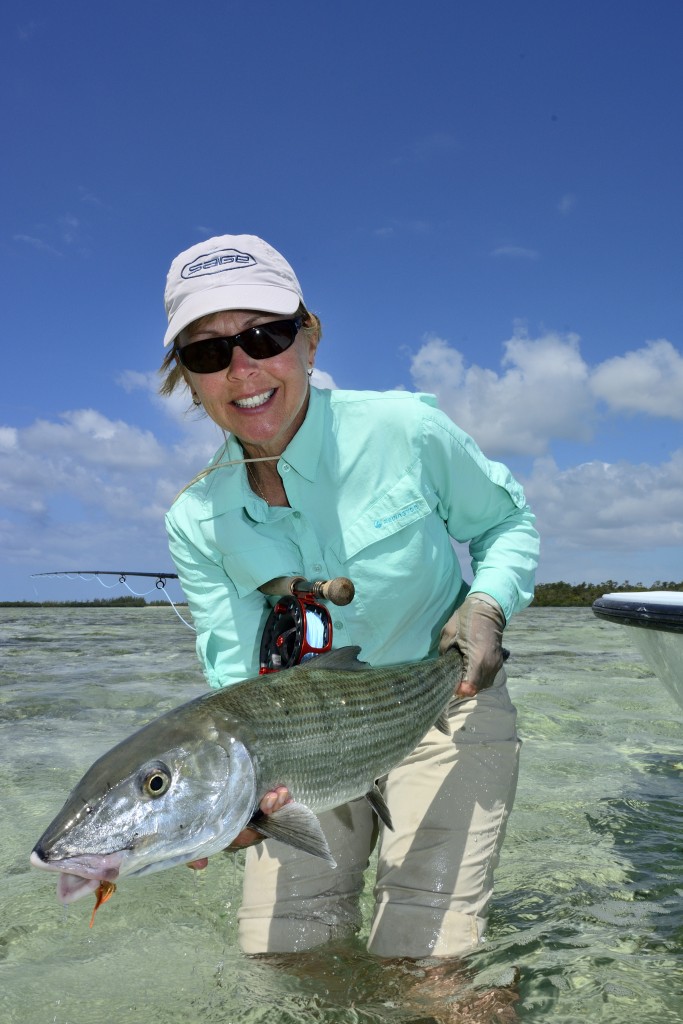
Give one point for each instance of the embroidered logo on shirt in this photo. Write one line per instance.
(409, 510)
(216, 262)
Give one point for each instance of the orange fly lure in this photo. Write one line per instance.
(105, 891)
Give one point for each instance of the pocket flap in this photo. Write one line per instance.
(403, 505)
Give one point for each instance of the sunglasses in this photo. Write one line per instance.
(263, 342)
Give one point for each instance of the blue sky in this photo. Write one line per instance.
(480, 199)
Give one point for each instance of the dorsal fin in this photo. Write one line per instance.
(345, 659)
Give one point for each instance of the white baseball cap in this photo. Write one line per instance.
(228, 272)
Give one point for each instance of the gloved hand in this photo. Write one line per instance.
(476, 629)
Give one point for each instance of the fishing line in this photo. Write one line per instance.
(315, 629)
(218, 464)
(160, 584)
(173, 606)
(107, 586)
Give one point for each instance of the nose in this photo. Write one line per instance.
(241, 365)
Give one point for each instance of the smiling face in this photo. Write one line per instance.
(262, 402)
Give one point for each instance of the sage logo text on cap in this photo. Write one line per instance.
(216, 262)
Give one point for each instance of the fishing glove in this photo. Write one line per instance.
(476, 629)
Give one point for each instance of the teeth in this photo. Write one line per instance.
(254, 401)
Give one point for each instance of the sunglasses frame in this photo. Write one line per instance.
(246, 340)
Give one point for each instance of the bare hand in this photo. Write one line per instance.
(271, 801)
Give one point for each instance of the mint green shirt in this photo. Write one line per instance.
(378, 484)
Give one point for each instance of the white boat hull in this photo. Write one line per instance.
(657, 621)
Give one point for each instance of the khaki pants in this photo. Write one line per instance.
(449, 802)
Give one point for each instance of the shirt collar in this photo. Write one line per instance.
(303, 451)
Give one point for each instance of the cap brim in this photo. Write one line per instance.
(214, 300)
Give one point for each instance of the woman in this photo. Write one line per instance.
(370, 486)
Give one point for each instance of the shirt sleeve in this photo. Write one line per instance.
(228, 627)
(484, 507)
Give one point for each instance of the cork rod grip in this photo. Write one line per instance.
(339, 590)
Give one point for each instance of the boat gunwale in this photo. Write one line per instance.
(636, 610)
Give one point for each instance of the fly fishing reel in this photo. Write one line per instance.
(299, 627)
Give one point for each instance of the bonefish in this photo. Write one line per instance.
(185, 785)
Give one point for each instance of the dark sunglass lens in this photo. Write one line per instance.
(206, 356)
(269, 339)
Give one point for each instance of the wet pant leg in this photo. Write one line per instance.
(449, 802)
(293, 901)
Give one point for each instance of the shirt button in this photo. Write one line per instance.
(285, 468)
(317, 567)
(297, 515)
(338, 624)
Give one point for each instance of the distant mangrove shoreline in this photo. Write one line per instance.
(548, 595)
(582, 595)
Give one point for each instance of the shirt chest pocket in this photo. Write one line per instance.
(249, 559)
(390, 519)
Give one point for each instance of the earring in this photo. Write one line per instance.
(195, 401)
(310, 371)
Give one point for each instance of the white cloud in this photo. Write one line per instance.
(541, 394)
(517, 252)
(322, 379)
(649, 380)
(403, 227)
(438, 366)
(566, 204)
(93, 439)
(619, 505)
(603, 521)
(545, 390)
(88, 469)
(202, 436)
(8, 438)
(134, 380)
(177, 407)
(69, 226)
(37, 243)
(86, 196)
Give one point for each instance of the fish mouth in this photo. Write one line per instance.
(80, 875)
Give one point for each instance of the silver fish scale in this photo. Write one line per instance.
(328, 733)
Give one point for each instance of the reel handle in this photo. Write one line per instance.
(339, 590)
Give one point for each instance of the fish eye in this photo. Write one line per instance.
(156, 780)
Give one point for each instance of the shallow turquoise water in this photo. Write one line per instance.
(588, 906)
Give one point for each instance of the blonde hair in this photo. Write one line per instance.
(171, 371)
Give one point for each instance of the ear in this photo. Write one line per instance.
(313, 339)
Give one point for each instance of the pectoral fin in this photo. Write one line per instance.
(297, 826)
(379, 806)
(442, 723)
